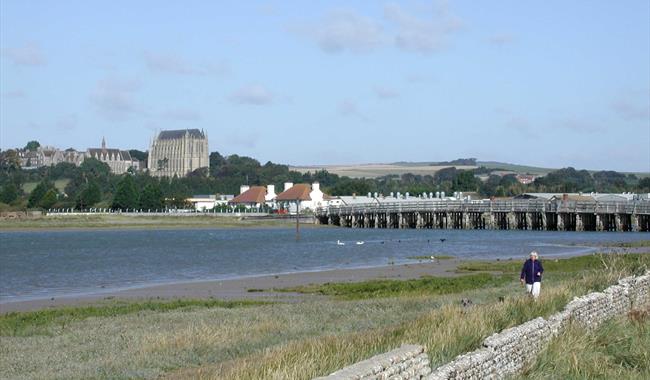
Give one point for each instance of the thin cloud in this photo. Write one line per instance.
(113, 98)
(521, 125)
(181, 114)
(385, 92)
(422, 34)
(67, 123)
(14, 94)
(500, 39)
(631, 111)
(27, 55)
(345, 30)
(253, 94)
(175, 64)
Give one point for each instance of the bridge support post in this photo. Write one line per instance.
(599, 223)
(618, 222)
(634, 219)
(580, 226)
(488, 220)
(543, 219)
(560, 222)
(529, 220)
(511, 221)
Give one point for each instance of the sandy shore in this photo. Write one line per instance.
(239, 288)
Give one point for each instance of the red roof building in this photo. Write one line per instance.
(253, 196)
(298, 192)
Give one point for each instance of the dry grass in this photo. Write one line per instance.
(619, 349)
(279, 341)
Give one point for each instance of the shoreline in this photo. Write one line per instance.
(261, 287)
(256, 287)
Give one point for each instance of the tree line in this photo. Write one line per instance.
(93, 185)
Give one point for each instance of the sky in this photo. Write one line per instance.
(545, 83)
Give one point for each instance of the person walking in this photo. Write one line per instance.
(531, 275)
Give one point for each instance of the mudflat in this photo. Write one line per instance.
(259, 287)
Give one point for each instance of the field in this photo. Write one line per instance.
(376, 170)
(300, 340)
(60, 185)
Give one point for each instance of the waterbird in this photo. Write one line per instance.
(338, 242)
(360, 242)
(443, 240)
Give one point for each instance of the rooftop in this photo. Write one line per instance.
(298, 192)
(255, 194)
(180, 133)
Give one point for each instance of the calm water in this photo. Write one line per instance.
(41, 264)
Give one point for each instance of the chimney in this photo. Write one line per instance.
(270, 189)
(288, 185)
(315, 186)
(243, 188)
(354, 195)
(565, 197)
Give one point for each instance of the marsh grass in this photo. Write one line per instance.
(627, 262)
(40, 322)
(391, 288)
(298, 340)
(618, 349)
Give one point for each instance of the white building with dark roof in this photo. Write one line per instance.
(118, 160)
(178, 153)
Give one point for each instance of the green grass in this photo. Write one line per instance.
(618, 349)
(60, 185)
(633, 244)
(392, 288)
(437, 257)
(39, 322)
(633, 262)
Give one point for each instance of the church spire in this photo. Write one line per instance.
(103, 143)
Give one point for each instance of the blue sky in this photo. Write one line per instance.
(551, 83)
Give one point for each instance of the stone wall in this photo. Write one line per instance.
(508, 352)
(408, 362)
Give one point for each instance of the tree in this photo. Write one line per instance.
(49, 199)
(152, 197)
(39, 192)
(32, 146)
(139, 155)
(90, 195)
(9, 193)
(126, 196)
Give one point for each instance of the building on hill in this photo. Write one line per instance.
(178, 153)
(118, 160)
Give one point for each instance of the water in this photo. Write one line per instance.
(43, 264)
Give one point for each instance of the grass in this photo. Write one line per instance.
(117, 221)
(619, 349)
(41, 322)
(392, 288)
(437, 257)
(633, 244)
(298, 340)
(60, 185)
(634, 263)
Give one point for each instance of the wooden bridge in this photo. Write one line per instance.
(553, 215)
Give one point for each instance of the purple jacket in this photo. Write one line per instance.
(530, 270)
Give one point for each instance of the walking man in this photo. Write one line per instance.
(531, 275)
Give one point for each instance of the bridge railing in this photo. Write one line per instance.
(426, 205)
